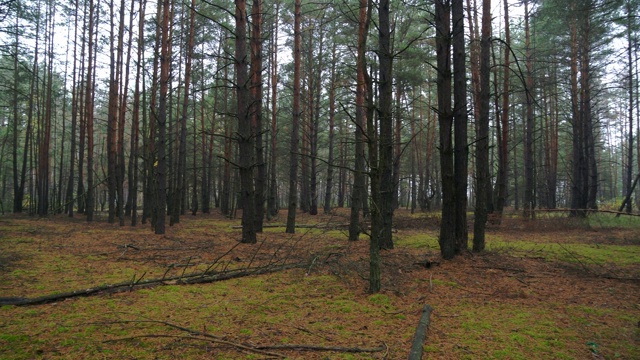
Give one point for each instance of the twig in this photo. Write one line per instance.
(312, 263)
(185, 268)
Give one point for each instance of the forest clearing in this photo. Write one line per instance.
(549, 288)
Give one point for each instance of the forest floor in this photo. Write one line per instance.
(551, 288)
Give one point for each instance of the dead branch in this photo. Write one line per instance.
(204, 338)
(197, 278)
(199, 335)
(618, 213)
(301, 226)
(421, 333)
(499, 268)
(302, 347)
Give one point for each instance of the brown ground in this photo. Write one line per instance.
(545, 301)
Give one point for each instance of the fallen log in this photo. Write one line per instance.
(198, 278)
(421, 333)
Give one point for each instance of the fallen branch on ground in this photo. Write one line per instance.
(301, 226)
(204, 338)
(197, 278)
(421, 333)
(302, 347)
(199, 335)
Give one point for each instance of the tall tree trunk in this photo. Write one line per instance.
(502, 180)
(387, 186)
(482, 138)
(135, 121)
(245, 136)
(447, 236)
(295, 122)
(256, 111)
(82, 123)
(45, 122)
(112, 117)
(579, 163)
(529, 200)
(182, 141)
(591, 171)
(17, 195)
(358, 195)
(89, 114)
(629, 170)
(332, 112)
(461, 150)
(69, 201)
(272, 202)
(165, 69)
(314, 126)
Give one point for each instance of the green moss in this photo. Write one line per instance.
(586, 254)
(417, 241)
(379, 299)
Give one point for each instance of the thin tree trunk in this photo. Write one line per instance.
(502, 181)
(332, 112)
(89, 115)
(529, 201)
(272, 203)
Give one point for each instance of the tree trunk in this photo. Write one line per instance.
(358, 193)
(165, 69)
(272, 202)
(529, 201)
(461, 150)
(245, 136)
(256, 111)
(502, 180)
(89, 114)
(447, 236)
(387, 186)
(482, 137)
(332, 113)
(629, 170)
(295, 122)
